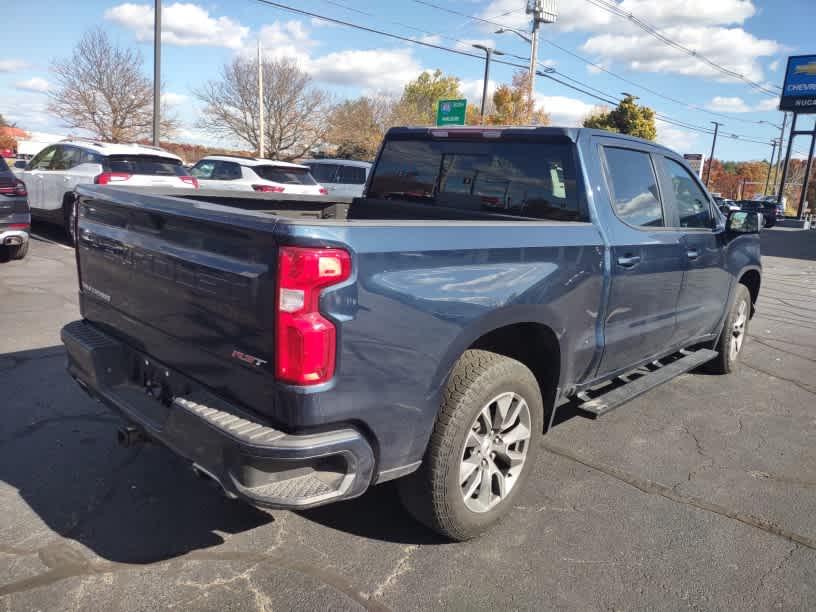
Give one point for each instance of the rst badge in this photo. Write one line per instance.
(250, 359)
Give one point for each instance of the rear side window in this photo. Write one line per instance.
(511, 177)
(146, 164)
(633, 186)
(324, 173)
(689, 200)
(284, 175)
(226, 171)
(352, 175)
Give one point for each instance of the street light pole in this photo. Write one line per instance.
(770, 165)
(157, 71)
(717, 125)
(261, 125)
(488, 54)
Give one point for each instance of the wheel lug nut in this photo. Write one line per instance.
(492, 455)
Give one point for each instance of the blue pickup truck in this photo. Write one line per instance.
(298, 352)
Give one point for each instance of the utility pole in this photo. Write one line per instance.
(717, 125)
(488, 54)
(157, 71)
(781, 142)
(770, 165)
(261, 125)
(543, 11)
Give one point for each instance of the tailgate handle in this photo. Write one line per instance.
(693, 253)
(629, 261)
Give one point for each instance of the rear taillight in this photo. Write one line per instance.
(20, 188)
(190, 180)
(324, 191)
(268, 189)
(307, 341)
(106, 178)
(19, 226)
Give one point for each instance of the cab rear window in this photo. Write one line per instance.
(532, 179)
(145, 164)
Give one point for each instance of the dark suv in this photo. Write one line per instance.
(15, 216)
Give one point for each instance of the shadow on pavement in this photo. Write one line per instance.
(51, 231)
(790, 243)
(126, 505)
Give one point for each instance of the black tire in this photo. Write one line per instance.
(18, 252)
(728, 346)
(434, 494)
(69, 218)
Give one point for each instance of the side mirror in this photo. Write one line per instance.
(743, 222)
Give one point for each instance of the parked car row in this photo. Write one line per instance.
(51, 177)
(771, 210)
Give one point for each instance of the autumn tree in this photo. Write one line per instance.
(627, 118)
(420, 97)
(356, 127)
(296, 112)
(513, 105)
(101, 89)
(7, 140)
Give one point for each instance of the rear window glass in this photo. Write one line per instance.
(352, 175)
(285, 176)
(324, 173)
(512, 177)
(146, 164)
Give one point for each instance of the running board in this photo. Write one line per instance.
(598, 400)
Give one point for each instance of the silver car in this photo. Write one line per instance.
(341, 177)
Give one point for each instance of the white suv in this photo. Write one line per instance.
(253, 174)
(51, 176)
(342, 177)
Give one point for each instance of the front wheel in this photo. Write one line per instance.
(481, 450)
(729, 346)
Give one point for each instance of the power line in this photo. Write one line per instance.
(613, 8)
(547, 73)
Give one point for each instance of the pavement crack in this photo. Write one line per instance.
(402, 566)
(795, 383)
(655, 488)
(776, 568)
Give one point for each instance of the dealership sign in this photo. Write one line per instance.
(799, 90)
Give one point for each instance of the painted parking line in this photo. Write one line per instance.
(36, 236)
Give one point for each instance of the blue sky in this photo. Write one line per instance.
(752, 38)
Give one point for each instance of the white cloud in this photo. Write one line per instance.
(12, 65)
(384, 70)
(563, 111)
(173, 99)
(466, 44)
(472, 90)
(773, 66)
(768, 104)
(682, 141)
(321, 23)
(729, 105)
(732, 48)
(431, 39)
(35, 84)
(183, 24)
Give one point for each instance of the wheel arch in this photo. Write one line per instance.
(752, 279)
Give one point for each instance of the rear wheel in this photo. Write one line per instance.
(729, 346)
(482, 448)
(69, 210)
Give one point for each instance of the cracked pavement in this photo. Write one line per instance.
(699, 494)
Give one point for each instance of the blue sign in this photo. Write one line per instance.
(799, 90)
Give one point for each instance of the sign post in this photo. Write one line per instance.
(451, 112)
(696, 161)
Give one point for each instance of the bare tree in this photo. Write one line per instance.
(357, 126)
(101, 88)
(296, 111)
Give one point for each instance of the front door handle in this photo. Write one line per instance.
(629, 261)
(693, 253)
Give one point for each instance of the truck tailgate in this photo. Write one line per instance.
(194, 291)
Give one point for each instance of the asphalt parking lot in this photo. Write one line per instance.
(700, 494)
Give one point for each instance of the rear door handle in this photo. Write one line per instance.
(629, 261)
(693, 253)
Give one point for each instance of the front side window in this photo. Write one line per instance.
(689, 199)
(285, 175)
(633, 187)
(510, 177)
(352, 175)
(226, 171)
(203, 169)
(42, 161)
(324, 173)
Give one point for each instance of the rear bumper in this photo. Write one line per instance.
(13, 237)
(249, 458)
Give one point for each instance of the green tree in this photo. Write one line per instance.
(626, 118)
(419, 99)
